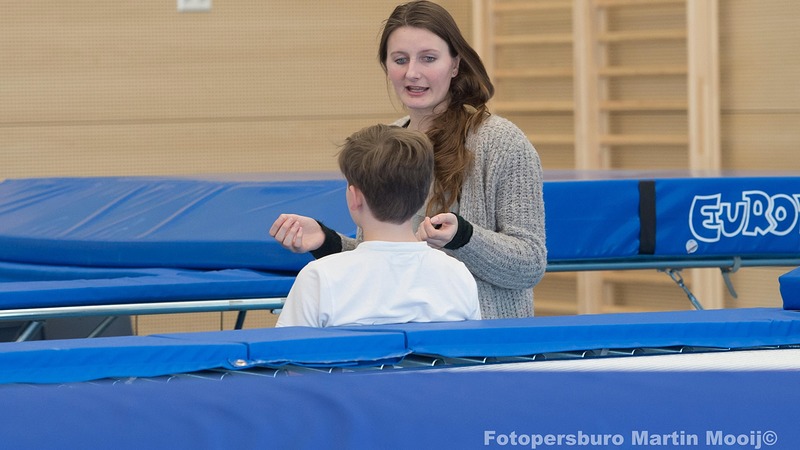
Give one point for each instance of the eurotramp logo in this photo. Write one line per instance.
(756, 214)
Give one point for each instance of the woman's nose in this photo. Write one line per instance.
(411, 71)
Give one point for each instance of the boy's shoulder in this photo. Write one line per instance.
(442, 259)
(332, 259)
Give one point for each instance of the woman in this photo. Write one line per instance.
(486, 207)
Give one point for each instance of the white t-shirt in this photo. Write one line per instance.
(379, 283)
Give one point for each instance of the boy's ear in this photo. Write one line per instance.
(355, 198)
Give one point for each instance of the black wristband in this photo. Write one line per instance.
(463, 234)
(331, 245)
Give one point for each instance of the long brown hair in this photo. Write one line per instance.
(469, 91)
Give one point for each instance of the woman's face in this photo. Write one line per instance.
(420, 68)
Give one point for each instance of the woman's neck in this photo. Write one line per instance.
(422, 120)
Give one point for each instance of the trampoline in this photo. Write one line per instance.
(704, 378)
(145, 245)
(684, 379)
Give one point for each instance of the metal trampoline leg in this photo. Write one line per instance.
(240, 320)
(678, 279)
(726, 275)
(30, 330)
(98, 330)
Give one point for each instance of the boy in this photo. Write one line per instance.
(391, 277)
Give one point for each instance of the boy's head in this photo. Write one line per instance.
(392, 167)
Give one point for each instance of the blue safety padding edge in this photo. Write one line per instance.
(222, 224)
(160, 222)
(63, 361)
(736, 216)
(591, 219)
(33, 286)
(731, 328)
(413, 409)
(790, 289)
(38, 362)
(303, 346)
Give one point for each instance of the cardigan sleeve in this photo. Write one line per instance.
(503, 201)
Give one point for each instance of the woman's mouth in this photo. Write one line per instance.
(416, 89)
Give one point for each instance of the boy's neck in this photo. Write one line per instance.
(375, 230)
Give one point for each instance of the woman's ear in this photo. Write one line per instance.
(456, 63)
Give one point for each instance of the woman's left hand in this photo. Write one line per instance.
(438, 230)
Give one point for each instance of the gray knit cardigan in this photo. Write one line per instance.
(502, 199)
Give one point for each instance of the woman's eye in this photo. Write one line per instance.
(429, 58)
(401, 61)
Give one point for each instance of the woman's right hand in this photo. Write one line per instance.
(299, 234)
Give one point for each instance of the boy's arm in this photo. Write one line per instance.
(301, 308)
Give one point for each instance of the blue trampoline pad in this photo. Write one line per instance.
(160, 221)
(381, 344)
(734, 328)
(790, 289)
(37, 286)
(740, 216)
(304, 346)
(411, 409)
(62, 361)
(656, 215)
(591, 219)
